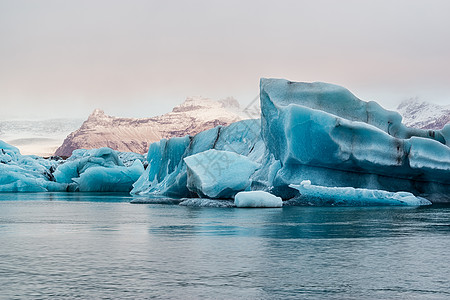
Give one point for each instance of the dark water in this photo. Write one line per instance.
(76, 246)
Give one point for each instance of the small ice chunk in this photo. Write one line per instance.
(257, 199)
(349, 196)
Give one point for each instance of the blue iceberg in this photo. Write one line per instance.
(323, 133)
(167, 173)
(100, 170)
(96, 170)
(349, 196)
(26, 173)
(309, 131)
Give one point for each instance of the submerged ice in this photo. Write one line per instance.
(349, 196)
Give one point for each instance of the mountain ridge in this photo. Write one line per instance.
(195, 114)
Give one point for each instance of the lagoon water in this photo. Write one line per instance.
(99, 246)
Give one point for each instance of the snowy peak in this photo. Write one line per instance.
(98, 112)
(98, 115)
(423, 115)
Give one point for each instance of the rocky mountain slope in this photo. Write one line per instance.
(424, 115)
(195, 114)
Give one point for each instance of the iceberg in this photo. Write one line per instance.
(323, 133)
(26, 173)
(116, 179)
(257, 199)
(167, 173)
(218, 174)
(100, 170)
(349, 196)
(307, 131)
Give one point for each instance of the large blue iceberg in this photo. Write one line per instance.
(323, 133)
(309, 131)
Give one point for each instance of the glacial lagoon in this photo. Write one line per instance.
(99, 246)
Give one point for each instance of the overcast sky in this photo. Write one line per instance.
(140, 58)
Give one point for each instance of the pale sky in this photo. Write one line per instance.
(61, 58)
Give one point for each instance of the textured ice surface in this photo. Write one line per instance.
(86, 170)
(109, 179)
(167, 172)
(155, 199)
(277, 94)
(323, 133)
(219, 174)
(202, 202)
(26, 173)
(257, 199)
(100, 170)
(349, 196)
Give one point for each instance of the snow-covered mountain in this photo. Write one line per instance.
(195, 114)
(39, 137)
(424, 115)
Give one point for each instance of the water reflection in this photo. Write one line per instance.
(63, 196)
(88, 247)
(301, 222)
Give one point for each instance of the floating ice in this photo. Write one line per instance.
(100, 170)
(202, 202)
(308, 131)
(257, 199)
(26, 173)
(155, 199)
(112, 179)
(219, 174)
(167, 171)
(314, 131)
(323, 133)
(349, 196)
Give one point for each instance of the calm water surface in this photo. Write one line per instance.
(99, 246)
